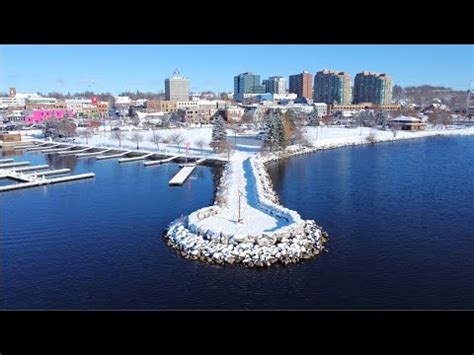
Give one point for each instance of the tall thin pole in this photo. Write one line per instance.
(238, 219)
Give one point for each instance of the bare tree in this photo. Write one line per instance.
(118, 135)
(227, 147)
(439, 117)
(200, 143)
(87, 133)
(136, 138)
(177, 139)
(156, 139)
(66, 127)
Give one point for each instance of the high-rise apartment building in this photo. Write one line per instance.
(177, 87)
(302, 84)
(371, 87)
(275, 85)
(247, 83)
(332, 87)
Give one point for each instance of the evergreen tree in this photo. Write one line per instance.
(219, 134)
(274, 132)
(279, 132)
(268, 129)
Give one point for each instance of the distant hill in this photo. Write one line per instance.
(425, 95)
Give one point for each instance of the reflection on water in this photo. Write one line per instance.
(56, 161)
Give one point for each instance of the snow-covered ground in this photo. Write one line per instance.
(326, 136)
(191, 137)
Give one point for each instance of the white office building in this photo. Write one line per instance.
(177, 87)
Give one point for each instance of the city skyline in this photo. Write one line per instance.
(112, 68)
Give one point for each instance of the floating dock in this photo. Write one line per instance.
(82, 155)
(3, 161)
(126, 160)
(51, 172)
(25, 146)
(162, 161)
(30, 168)
(42, 181)
(54, 150)
(41, 147)
(112, 156)
(12, 165)
(68, 152)
(182, 175)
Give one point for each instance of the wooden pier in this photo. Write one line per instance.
(24, 146)
(141, 157)
(54, 150)
(12, 165)
(82, 155)
(32, 168)
(182, 175)
(35, 181)
(112, 156)
(74, 151)
(51, 172)
(41, 147)
(161, 161)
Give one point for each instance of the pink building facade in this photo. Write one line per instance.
(38, 116)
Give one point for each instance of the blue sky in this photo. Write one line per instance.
(101, 68)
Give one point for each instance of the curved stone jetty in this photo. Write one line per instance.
(212, 235)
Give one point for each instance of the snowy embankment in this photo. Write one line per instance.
(335, 137)
(270, 233)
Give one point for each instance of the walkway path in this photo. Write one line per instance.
(255, 219)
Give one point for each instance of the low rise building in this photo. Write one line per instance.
(321, 108)
(362, 106)
(38, 116)
(406, 123)
(234, 113)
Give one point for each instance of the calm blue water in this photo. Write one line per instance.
(399, 217)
